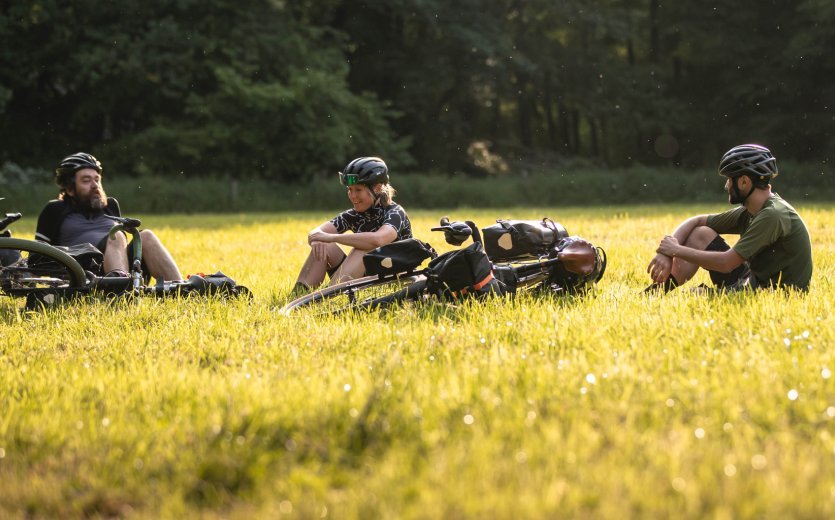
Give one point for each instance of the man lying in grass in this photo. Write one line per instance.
(773, 249)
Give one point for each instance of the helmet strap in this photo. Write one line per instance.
(374, 194)
(737, 193)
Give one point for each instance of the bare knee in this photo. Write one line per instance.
(700, 238)
(119, 240)
(148, 237)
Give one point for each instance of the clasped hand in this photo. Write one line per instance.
(318, 241)
(661, 265)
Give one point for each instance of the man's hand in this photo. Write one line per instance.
(668, 246)
(660, 267)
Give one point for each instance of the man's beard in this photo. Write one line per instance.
(95, 201)
(735, 196)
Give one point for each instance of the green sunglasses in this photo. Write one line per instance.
(349, 179)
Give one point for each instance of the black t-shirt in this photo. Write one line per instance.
(61, 223)
(373, 219)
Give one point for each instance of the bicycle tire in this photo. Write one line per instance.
(53, 270)
(363, 293)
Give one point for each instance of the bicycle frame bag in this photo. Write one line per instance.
(397, 257)
(87, 255)
(509, 240)
(461, 272)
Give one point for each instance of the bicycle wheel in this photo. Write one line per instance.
(363, 293)
(30, 267)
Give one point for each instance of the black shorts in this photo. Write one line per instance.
(332, 270)
(738, 279)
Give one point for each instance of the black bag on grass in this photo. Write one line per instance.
(462, 272)
(213, 284)
(509, 240)
(397, 257)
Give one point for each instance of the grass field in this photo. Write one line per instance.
(615, 405)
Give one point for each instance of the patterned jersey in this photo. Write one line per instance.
(373, 219)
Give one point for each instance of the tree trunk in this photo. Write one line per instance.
(549, 112)
(654, 43)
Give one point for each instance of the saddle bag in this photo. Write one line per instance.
(397, 257)
(462, 272)
(509, 240)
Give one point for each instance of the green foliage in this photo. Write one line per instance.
(570, 185)
(281, 90)
(241, 89)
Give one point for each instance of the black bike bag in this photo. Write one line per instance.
(86, 254)
(462, 272)
(397, 257)
(509, 240)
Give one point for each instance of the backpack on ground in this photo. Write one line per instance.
(397, 257)
(509, 240)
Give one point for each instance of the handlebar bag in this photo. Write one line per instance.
(509, 240)
(397, 257)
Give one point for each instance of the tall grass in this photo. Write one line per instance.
(613, 405)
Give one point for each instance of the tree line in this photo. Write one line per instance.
(291, 89)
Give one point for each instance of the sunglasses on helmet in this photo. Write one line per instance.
(349, 179)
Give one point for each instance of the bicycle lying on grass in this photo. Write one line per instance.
(559, 264)
(47, 275)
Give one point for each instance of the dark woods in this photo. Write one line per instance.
(288, 90)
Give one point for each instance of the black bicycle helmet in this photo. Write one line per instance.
(365, 170)
(749, 159)
(72, 163)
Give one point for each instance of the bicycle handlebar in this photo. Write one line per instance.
(10, 217)
(128, 223)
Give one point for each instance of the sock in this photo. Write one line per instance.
(670, 284)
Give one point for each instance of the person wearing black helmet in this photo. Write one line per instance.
(375, 220)
(77, 216)
(773, 250)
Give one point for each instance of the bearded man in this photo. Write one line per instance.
(773, 251)
(79, 215)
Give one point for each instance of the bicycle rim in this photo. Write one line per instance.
(362, 293)
(29, 267)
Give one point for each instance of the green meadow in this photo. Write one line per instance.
(612, 405)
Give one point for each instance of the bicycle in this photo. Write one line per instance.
(46, 275)
(569, 267)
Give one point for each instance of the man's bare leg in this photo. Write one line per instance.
(116, 254)
(159, 261)
(699, 239)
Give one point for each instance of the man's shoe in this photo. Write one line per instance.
(117, 273)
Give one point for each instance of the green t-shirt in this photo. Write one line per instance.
(775, 242)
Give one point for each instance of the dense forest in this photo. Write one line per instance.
(289, 90)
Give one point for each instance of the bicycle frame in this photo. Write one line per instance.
(568, 269)
(131, 226)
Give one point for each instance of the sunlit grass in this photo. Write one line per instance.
(614, 405)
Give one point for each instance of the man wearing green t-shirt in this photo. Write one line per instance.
(773, 249)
